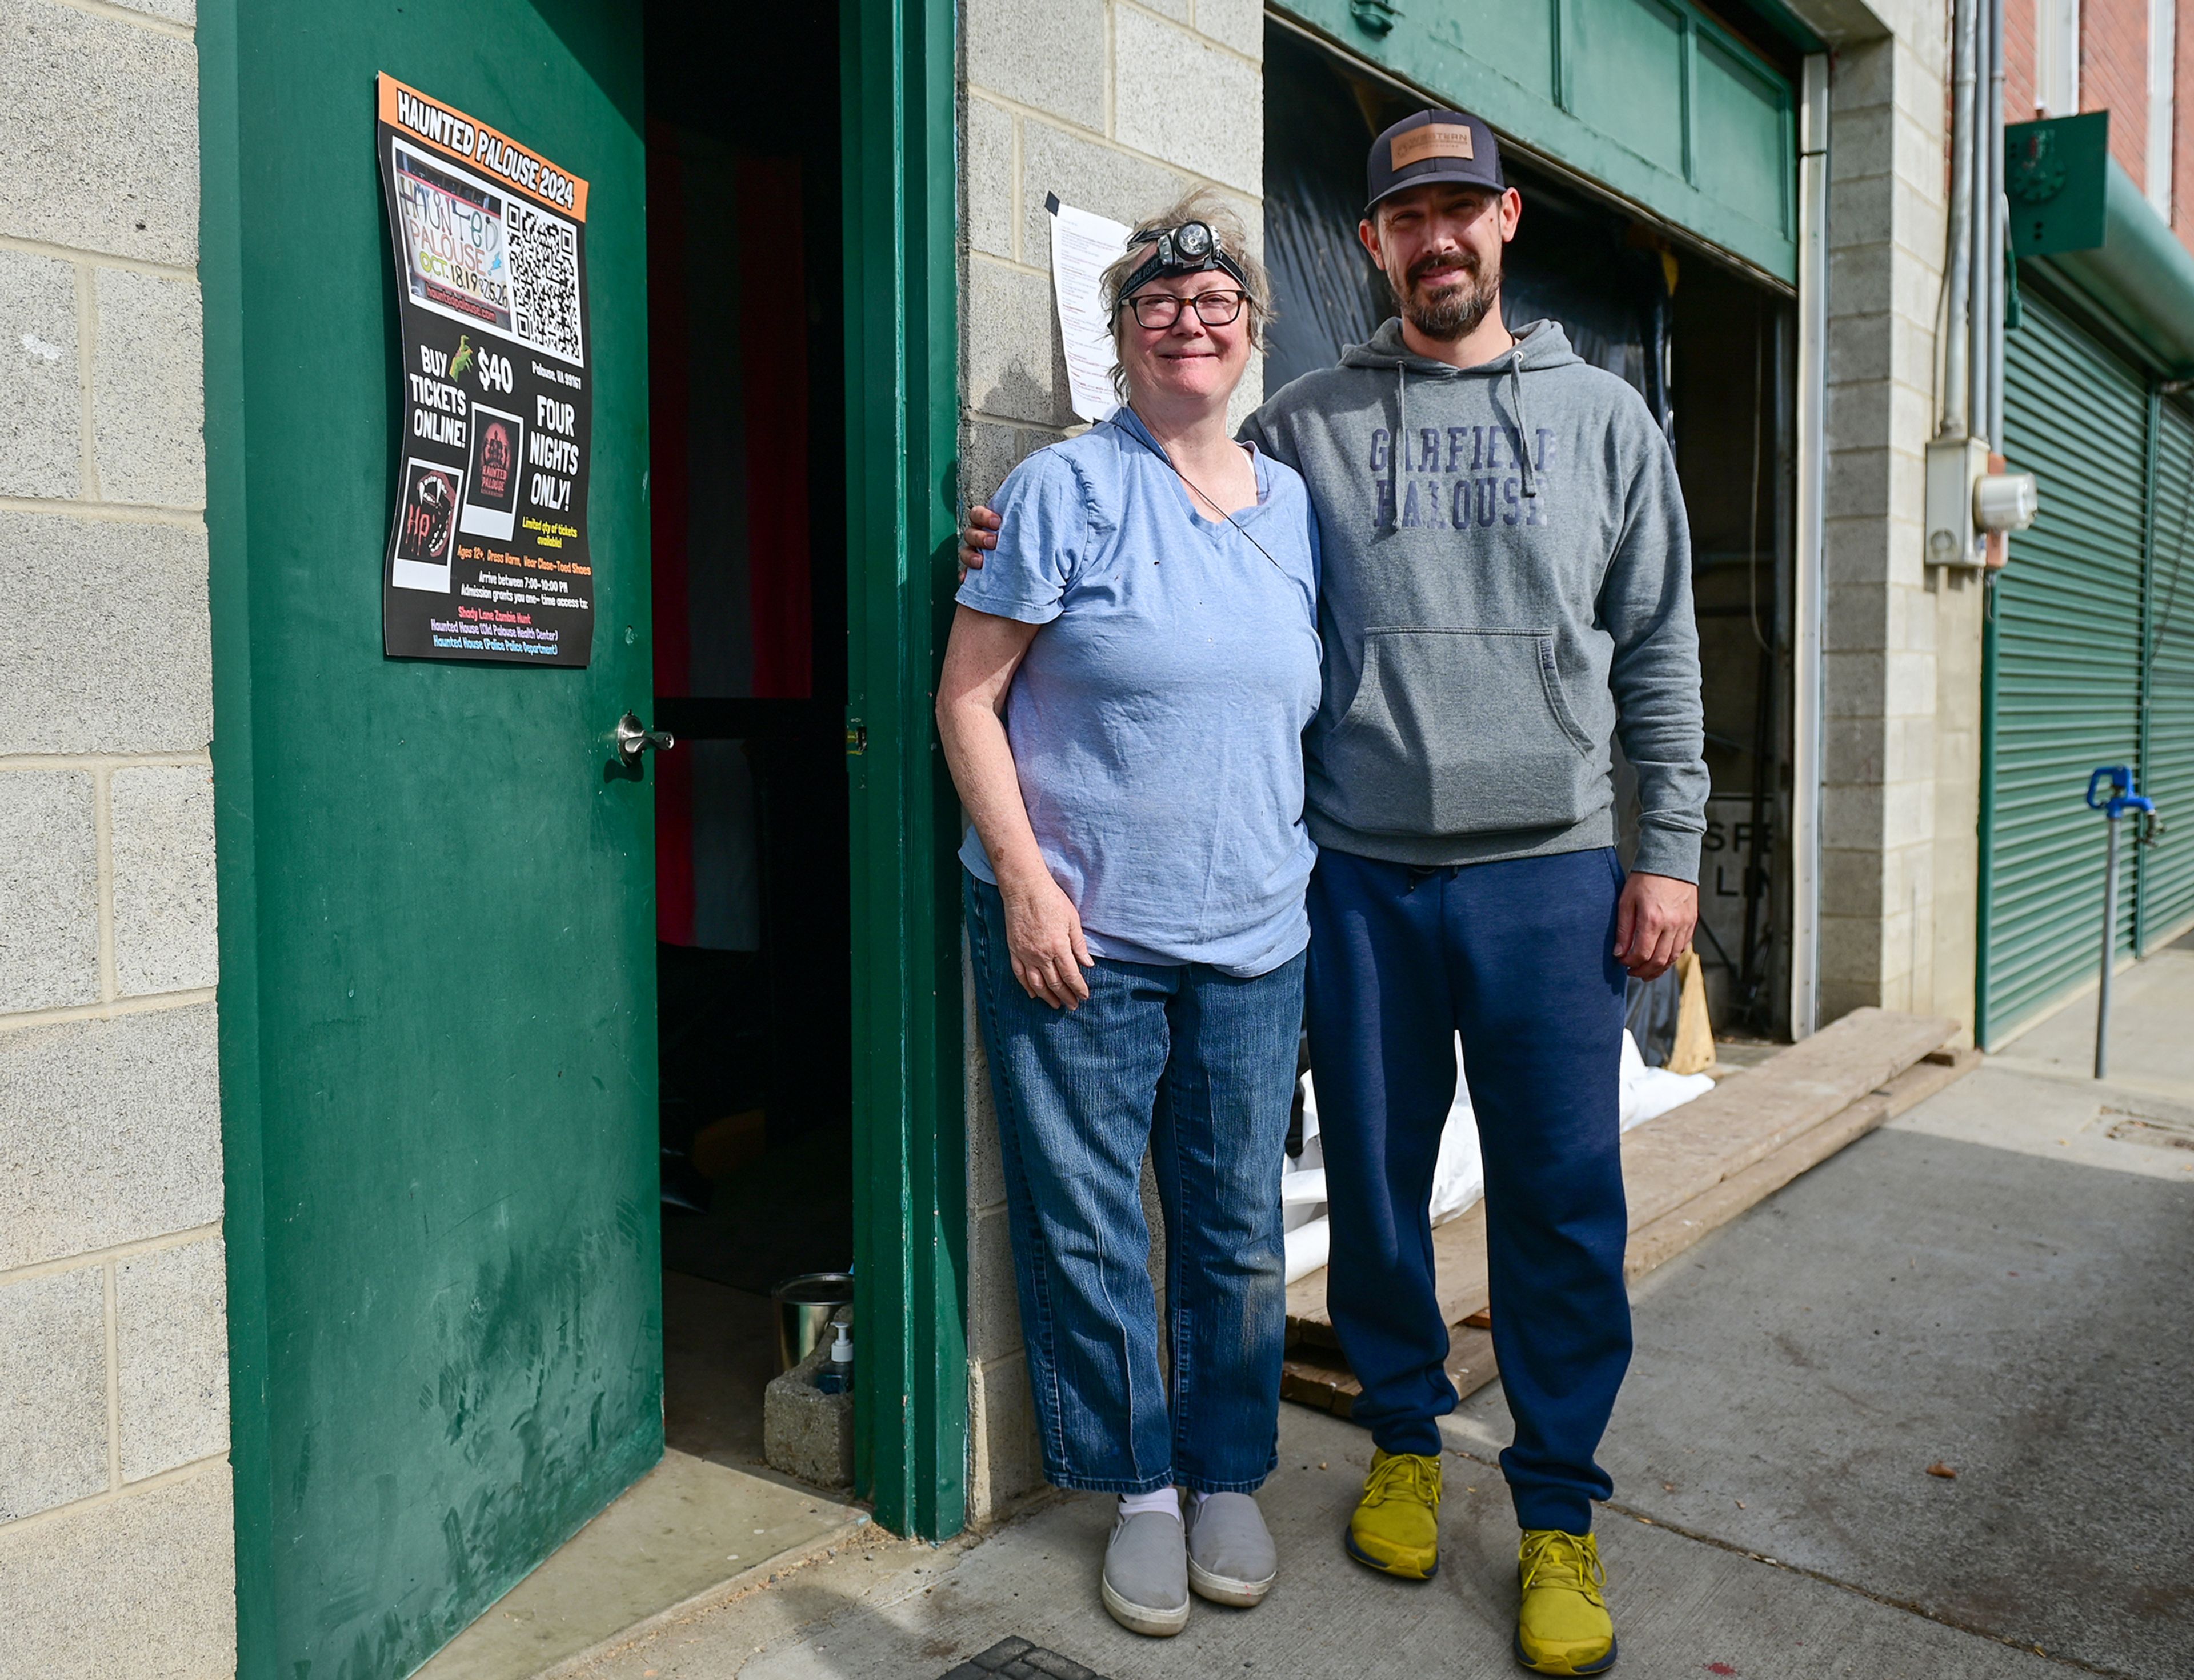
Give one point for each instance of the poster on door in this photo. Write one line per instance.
(487, 549)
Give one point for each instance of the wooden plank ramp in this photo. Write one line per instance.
(1686, 1175)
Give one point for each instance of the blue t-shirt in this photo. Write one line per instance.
(1156, 720)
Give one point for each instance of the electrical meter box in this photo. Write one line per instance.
(1954, 465)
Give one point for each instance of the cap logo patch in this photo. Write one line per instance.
(1434, 139)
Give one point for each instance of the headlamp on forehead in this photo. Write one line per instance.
(1189, 249)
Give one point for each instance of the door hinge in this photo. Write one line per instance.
(857, 738)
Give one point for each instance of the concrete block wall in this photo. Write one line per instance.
(116, 1548)
(1883, 888)
(1118, 107)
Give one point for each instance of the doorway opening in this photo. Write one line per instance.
(746, 413)
(1710, 349)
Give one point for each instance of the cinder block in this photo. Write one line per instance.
(1852, 817)
(171, 1341)
(989, 453)
(101, 148)
(1862, 144)
(141, 1585)
(994, 1315)
(990, 172)
(1852, 954)
(1188, 103)
(148, 390)
(1090, 174)
(1239, 24)
(41, 401)
(1005, 1457)
(1016, 367)
(110, 1132)
(53, 1395)
(106, 639)
(49, 890)
(163, 878)
(184, 12)
(1051, 56)
(805, 1433)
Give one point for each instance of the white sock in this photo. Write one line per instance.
(1199, 1499)
(1165, 1500)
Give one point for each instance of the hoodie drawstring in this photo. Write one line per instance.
(1523, 424)
(1401, 443)
(1525, 440)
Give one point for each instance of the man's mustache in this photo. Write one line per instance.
(1441, 262)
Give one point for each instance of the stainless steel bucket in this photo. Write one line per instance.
(804, 1307)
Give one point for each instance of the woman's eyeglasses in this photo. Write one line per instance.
(1156, 309)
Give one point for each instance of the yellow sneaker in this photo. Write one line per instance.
(1396, 1525)
(1562, 1624)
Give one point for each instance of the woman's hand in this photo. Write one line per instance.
(1043, 937)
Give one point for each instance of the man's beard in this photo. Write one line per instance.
(1453, 311)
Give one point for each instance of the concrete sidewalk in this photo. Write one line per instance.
(1997, 1285)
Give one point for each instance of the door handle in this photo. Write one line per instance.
(633, 738)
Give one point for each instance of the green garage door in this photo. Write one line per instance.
(2166, 869)
(2090, 661)
(2064, 647)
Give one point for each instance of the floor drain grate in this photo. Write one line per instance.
(1016, 1659)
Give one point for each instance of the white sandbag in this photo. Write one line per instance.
(1648, 1093)
(1309, 1246)
(1459, 1174)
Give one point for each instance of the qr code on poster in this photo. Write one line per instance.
(544, 274)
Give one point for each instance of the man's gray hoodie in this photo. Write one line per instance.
(1506, 588)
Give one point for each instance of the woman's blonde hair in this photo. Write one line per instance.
(1206, 206)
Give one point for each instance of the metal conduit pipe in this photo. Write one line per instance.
(1998, 243)
(1979, 219)
(1955, 419)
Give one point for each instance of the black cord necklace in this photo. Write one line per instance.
(1195, 491)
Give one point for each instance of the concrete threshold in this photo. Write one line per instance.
(687, 1535)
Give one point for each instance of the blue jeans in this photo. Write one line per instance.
(1515, 956)
(1200, 1067)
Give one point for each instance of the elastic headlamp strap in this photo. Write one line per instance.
(1167, 260)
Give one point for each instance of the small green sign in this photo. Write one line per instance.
(2053, 176)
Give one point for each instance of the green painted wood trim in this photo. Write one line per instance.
(911, 1431)
(1984, 903)
(2143, 856)
(244, 1216)
(1425, 50)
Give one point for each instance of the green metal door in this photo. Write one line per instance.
(2165, 874)
(437, 1000)
(2063, 662)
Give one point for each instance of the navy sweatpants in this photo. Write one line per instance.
(1515, 956)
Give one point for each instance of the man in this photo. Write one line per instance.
(1506, 593)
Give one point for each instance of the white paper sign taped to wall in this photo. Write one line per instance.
(1082, 246)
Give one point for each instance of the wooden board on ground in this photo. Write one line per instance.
(1319, 1376)
(1700, 1165)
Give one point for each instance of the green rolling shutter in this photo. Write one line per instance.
(2166, 903)
(2065, 666)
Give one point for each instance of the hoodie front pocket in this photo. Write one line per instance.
(1457, 732)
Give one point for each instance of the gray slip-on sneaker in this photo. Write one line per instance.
(1146, 1574)
(1231, 1558)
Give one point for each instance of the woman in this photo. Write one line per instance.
(1122, 706)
